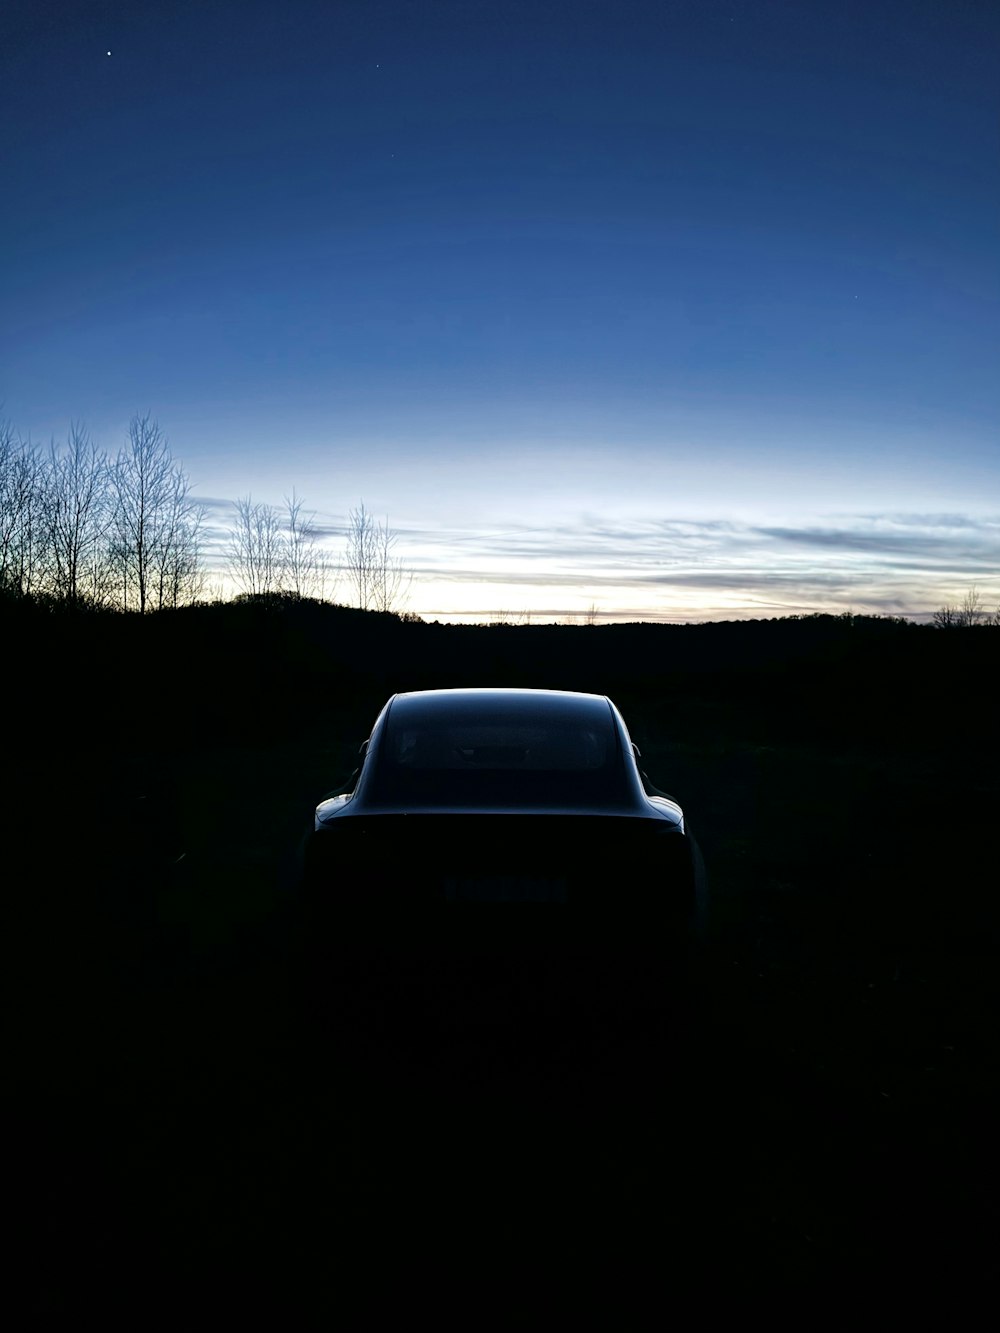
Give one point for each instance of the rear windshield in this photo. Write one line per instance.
(510, 760)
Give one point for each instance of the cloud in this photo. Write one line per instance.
(891, 563)
(934, 520)
(937, 545)
(684, 568)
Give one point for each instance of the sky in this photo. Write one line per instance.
(682, 310)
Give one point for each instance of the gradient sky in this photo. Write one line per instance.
(687, 310)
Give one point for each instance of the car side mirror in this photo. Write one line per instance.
(363, 749)
(636, 751)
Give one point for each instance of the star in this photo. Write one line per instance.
(107, 53)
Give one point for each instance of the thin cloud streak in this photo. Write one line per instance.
(960, 545)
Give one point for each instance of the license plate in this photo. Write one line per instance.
(505, 889)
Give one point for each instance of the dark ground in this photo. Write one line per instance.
(194, 1134)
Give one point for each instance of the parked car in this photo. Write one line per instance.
(510, 825)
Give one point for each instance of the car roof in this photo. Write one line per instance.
(507, 703)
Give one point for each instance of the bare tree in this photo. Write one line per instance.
(256, 555)
(593, 614)
(178, 571)
(156, 524)
(305, 569)
(359, 556)
(965, 615)
(272, 551)
(379, 577)
(85, 529)
(971, 609)
(22, 517)
(391, 583)
(11, 451)
(77, 509)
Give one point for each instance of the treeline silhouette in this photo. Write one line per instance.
(229, 668)
(79, 526)
(83, 528)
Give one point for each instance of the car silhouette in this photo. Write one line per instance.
(511, 825)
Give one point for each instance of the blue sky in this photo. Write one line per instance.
(686, 310)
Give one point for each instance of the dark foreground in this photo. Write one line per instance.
(195, 1133)
(213, 1137)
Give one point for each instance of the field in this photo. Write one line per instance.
(814, 1126)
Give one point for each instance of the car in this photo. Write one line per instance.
(504, 826)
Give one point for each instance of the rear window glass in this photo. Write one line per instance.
(507, 760)
(500, 747)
